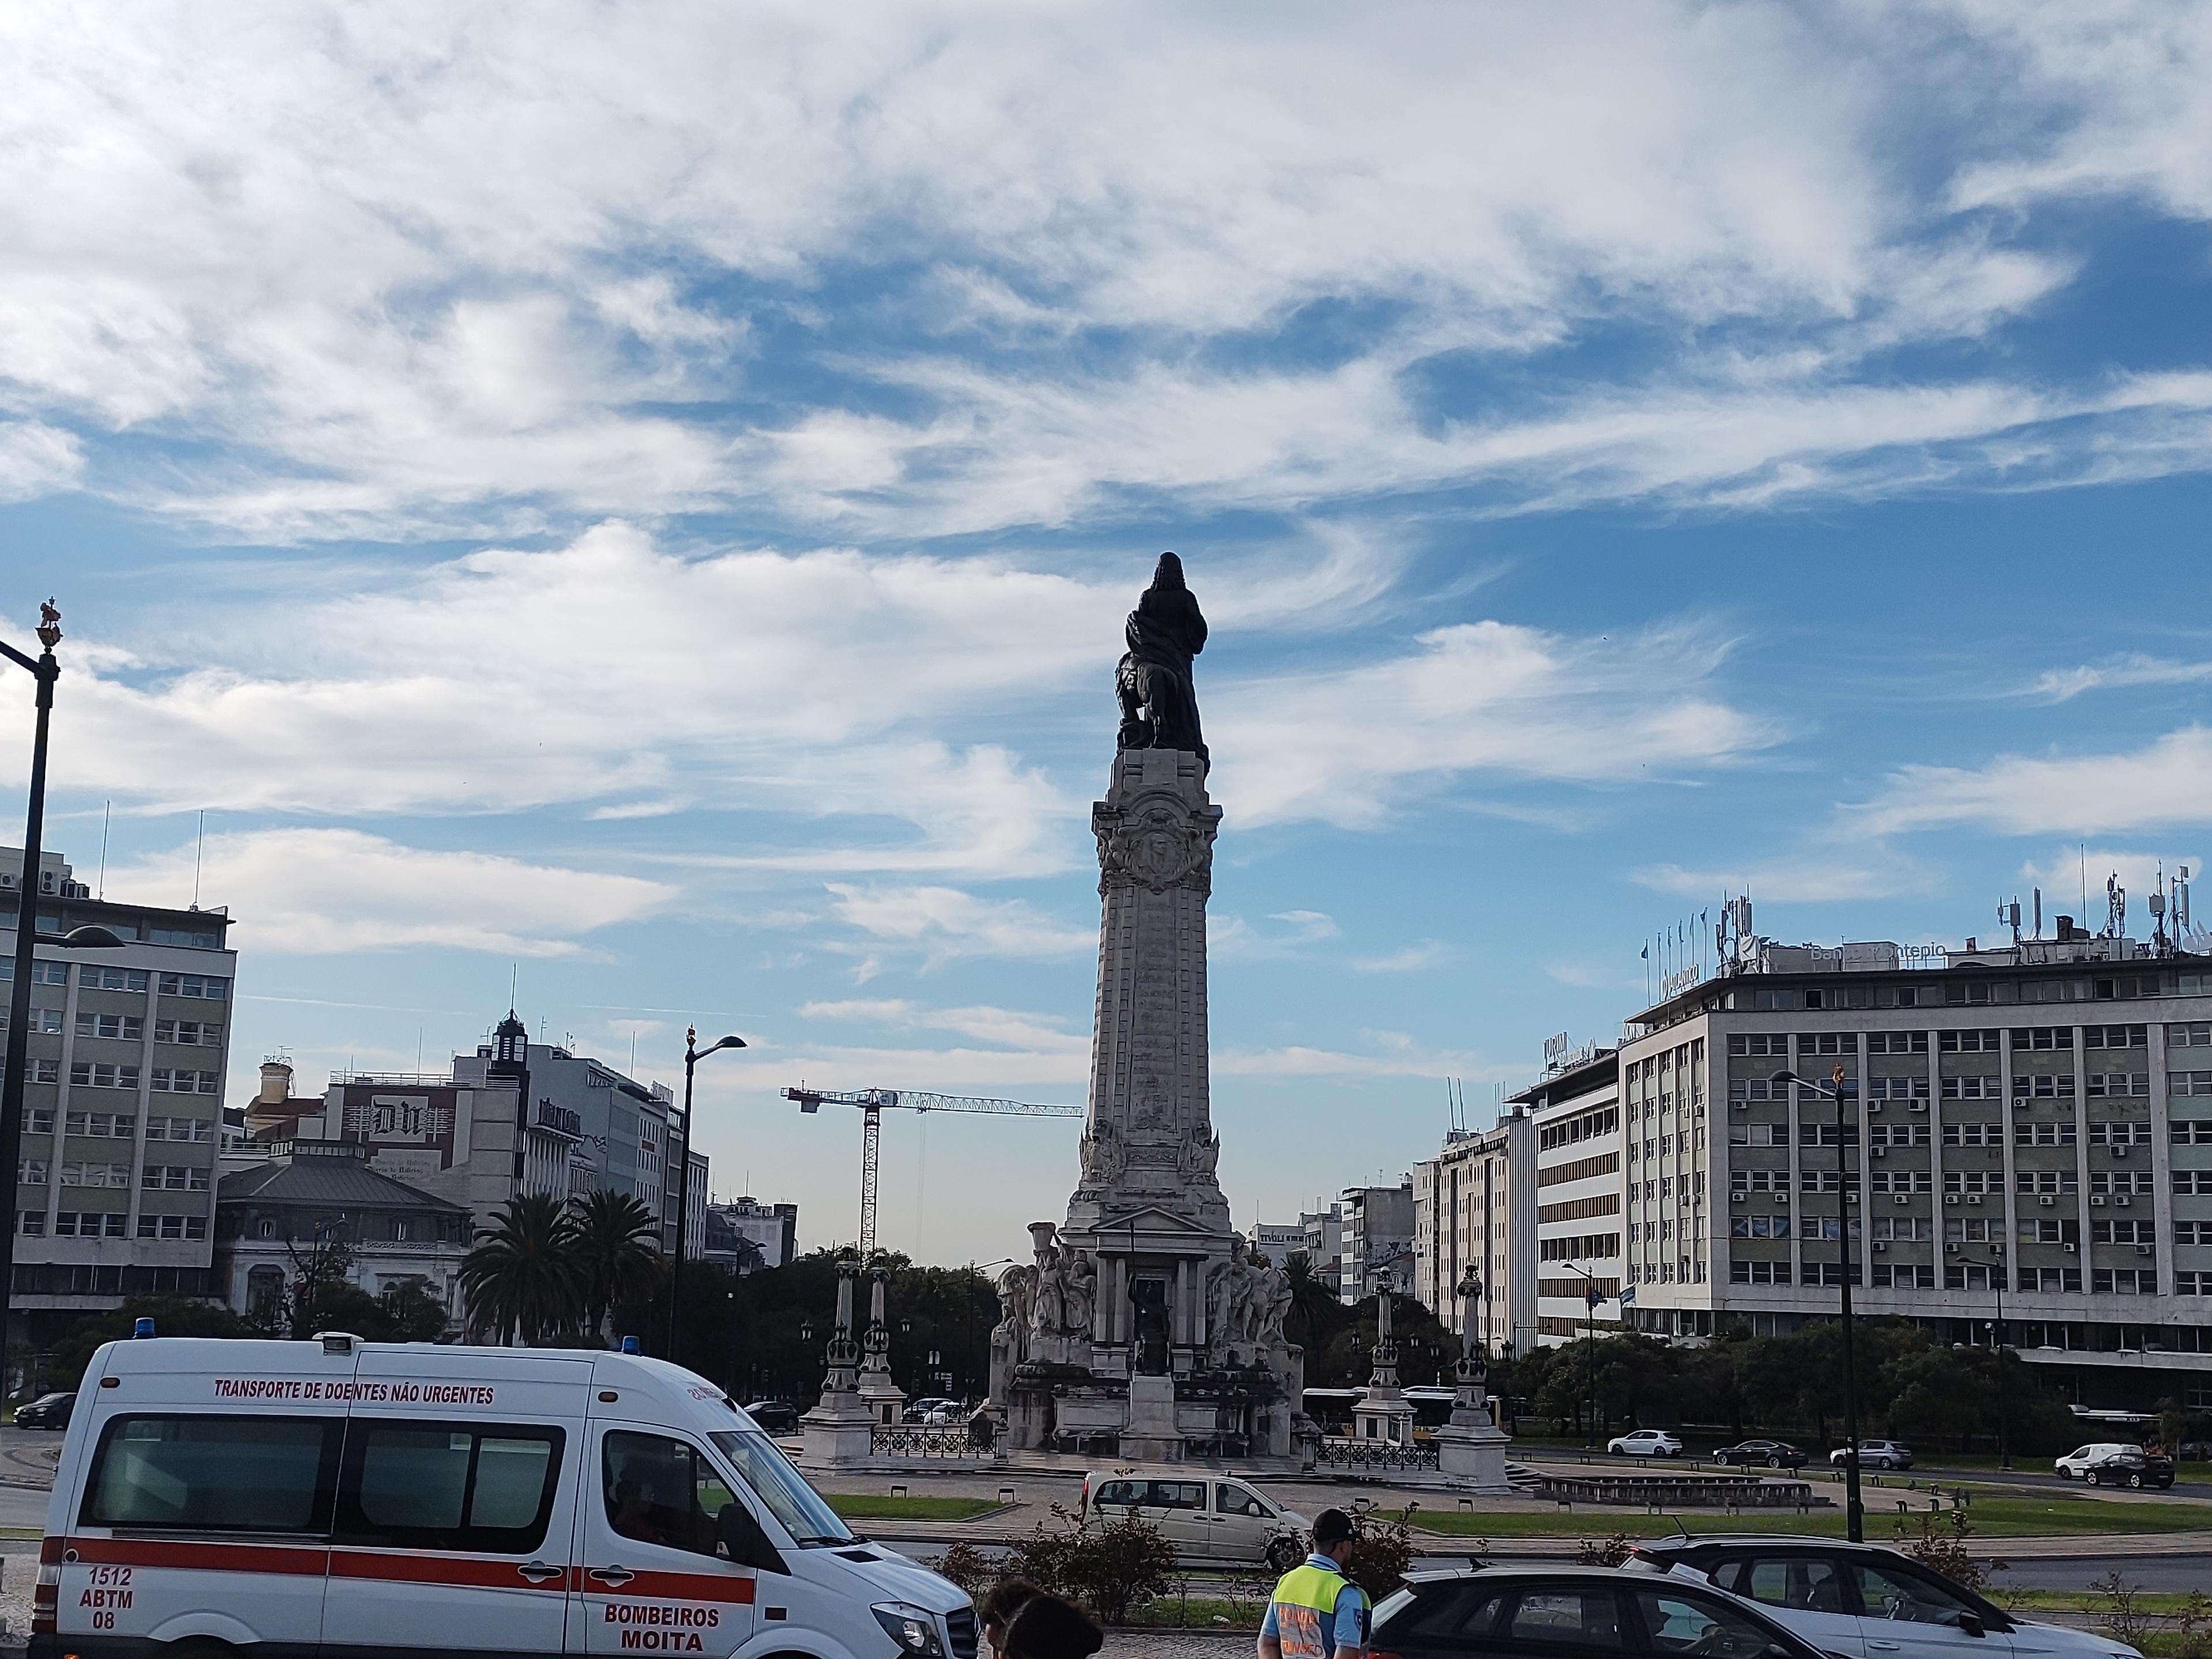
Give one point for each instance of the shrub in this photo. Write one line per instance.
(966, 1566)
(1943, 1548)
(1108, 1571)
(1380, 1555)
(1614, 1552)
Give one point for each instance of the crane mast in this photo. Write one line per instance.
(873, 1103)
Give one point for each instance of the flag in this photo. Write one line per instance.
(1645, 953)
(1591, 1293)
(1628, 1296)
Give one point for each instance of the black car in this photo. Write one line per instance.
(1562, 1614)
(1754, 1454)
(774, 1416)
(48, 1411)
(2128, 1468)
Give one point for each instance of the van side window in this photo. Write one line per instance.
(1235, 1500)
(1178, 1494)
(213, 1474)
(1122, 1493)
(661, 1491)
(449, 1486)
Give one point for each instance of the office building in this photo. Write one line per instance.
(123, 1102)
(770, 1229)
(1377, 1225)
(1574, 1122)
(1474, 1206)
(2037, 1123)
(1277, 1241)
(1324, 1227)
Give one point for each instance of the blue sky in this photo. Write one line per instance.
(646, 501)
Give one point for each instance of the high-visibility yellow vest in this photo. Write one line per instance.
(1305, 1610)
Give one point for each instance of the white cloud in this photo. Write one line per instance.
(2167, 782)
(1406, 959)
(1230, 938)
(942, 922)
(2128, 669)
(272, 251)
(1810, 878)
(36, 459)
(1346, 746)
(321, 892)
(1001, 1027)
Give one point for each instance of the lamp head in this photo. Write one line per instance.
(1785, 1075)
(729, 1042)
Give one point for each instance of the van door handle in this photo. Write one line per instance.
(538, 1572)
(1885, 1647)
(611, 1575)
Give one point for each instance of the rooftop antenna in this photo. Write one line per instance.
(2009, 913)
(2116, 907)
(2038, 913)
(199, 847)
(2081, 848)
(2157, 902)
(106, 810)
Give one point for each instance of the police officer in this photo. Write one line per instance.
(1317, 1612)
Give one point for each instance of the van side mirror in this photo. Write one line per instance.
(1972, 1624)
(742, 1539)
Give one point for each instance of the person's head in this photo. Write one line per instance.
(1332, 1534)
(1008, 1598)
(1168, 573)
(1046, 1627)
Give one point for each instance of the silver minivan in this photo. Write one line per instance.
(1206, 1517)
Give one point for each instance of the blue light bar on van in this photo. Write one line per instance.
(140, 1328)
(631, 1345)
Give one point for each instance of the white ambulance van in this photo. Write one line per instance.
(339, 1498)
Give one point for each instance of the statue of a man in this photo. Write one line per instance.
(1079, 1288)
(1048, 1288)
(1159, 704)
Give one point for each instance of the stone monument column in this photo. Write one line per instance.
(839, 1430)
(883, 1398)
(1471, 1449)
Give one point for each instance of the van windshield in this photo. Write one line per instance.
(782, 1488)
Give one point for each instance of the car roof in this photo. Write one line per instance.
(1736, 1539)
(1504, 1575)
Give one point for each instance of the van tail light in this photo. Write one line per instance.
(46, 1593)
(1082, 1503)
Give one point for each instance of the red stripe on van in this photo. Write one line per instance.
(307, 1559)
(473, 1570)
(678, 1587)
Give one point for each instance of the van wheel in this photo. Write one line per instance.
(1284, 1553)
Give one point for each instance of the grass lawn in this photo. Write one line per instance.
(865, 1506)
(1202, 1612)
(1994, 1516)
(2034, 1602)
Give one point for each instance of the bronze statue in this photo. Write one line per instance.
(1159, 706)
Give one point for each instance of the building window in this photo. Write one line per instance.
(88, 1074)
(194, 985)
(110, 979)
(127, 1028)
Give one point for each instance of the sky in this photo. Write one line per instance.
(635, 505)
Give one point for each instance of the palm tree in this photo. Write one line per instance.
(1314, 1303)
(616, 1242)
(522, 1279)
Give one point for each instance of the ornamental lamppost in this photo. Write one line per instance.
(692, 1055)
(1853, 1510)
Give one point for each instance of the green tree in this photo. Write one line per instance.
(171, 1316)
(522, 1279)
(616, 1246)
(1317, 1311)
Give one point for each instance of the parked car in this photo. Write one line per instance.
(1645, 1442)
(775, 1416)
(1749, 1454)
(1569, 1613)
(1207, 1518)
(918, 1408)
(48, 1411)
(1876, 1454)
(1865, 1599)
(2133, 1467)
(2075, 1463)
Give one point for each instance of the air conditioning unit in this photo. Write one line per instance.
(2073, 1249)
(1953, 1249)
(1782, 1200)
(1974, 1198)
(2098, 1200)
(2046, 1201)
(1919, 1105)
(1881, 1152)
(1950, 1197)
(1739, 1105)
(2123, 1200)
(2019, 1102)
(2120, 1149)
(1739, 1195)
(1879, 1247)
(1899, 1198)
(2142, 1250)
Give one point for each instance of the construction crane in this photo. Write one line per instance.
(873, 1103)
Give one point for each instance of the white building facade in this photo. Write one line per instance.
(1577, 1125)
(1475, 1206)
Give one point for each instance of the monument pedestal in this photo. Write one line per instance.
(884, 1400)
(839, 1431)
(1472, 1456)
(1150, 1433)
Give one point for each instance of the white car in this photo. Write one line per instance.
(1204, 1516)
(2076, 1463)
(1862, 1599)
(1645, 1442)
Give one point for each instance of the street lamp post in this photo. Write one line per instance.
(44, 671)
(1853, 1510)
(692, 1055)
(1996, 1267)
(1589, 1342)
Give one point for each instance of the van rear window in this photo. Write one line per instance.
(448, 1485)
(213, 1474)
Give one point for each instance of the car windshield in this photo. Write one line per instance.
(808, 1520)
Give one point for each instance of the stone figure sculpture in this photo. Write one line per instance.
(1159, 703)
(1079, 1288)
(1048, 1281)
